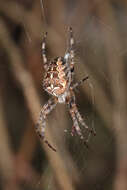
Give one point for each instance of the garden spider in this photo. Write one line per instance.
(57, 82)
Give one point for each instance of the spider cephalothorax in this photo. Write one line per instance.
(58, 82)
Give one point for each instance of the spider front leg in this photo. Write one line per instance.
(75, 127)
(72, 109)
(81, 121)
(77, 118)
(41, 124)
(44, 51)
(78, 115)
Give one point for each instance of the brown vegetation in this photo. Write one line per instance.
(101, 34)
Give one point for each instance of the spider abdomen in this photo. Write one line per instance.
(55, 81)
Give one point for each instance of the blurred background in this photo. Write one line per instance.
(100, 30)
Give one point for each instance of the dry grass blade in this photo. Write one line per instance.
(7, 165)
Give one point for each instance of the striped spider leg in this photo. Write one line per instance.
(76, 116)
(41, 124)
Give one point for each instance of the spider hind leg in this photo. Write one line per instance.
(44, 51)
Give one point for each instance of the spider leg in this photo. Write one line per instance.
(70, 49)
(76, 117)
(75, 127)
(41, 124)
(80, 119)
(80, 82)
(71, 105)
(69, 57)
(44, 51)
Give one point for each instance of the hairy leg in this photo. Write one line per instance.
(71, 105)
(69, 57)
(82, 122)
(79, 83)
(44, 51)
(75, 124)
(77, 118)
(41, 124)
(71, 48)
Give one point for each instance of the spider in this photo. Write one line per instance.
(58, 82)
